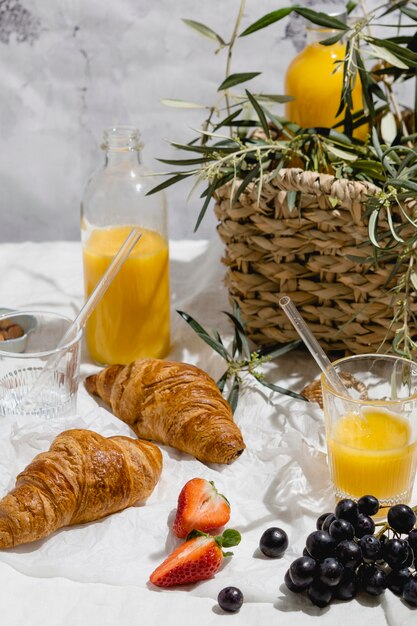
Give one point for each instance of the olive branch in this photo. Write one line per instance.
(240, 359)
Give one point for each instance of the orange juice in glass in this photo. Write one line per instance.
(132, 319)
(372, 434)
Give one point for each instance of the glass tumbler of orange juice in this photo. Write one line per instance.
(371, 431)
(133, 319)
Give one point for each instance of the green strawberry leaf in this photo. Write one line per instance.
(229, 538)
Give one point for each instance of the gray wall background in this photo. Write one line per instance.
(70, 68)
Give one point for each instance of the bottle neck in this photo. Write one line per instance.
(315, 35)
(122, 146)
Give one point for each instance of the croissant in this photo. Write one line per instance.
(174, 403)
(83, 477)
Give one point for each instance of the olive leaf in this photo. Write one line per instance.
(350, 6)
(409, 12)
(205, 336)
(388, 128)
(329, 41)
(413, 279)
(252, 174)
(208, 196)
(389, 57)
(182, 104)
(270, 97)
(321, 19)
(171, 181)
(399, 56)
(260, 113)
(233, 396)
(236, 79)
(204, 30)
(267, 20)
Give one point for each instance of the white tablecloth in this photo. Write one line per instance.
(280, 480)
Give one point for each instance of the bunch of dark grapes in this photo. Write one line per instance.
(346, 555)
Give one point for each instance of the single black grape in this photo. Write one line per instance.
(412, 540)
(302, 570)
(360, 575)
(347, 509)
(319, 594)
(349, 553)
(410, 591)
(292, 586)
(364, 525)
(369, 505)
(397, 579)
(374, 580)
(321, 519)
(320, 544)
(371, 547)
(330, 572)
(230, 599)
(341, 529)
(395, 552)
(273, 542)
(326, 523)
(401, 518)
(347, 588)
(410, 558)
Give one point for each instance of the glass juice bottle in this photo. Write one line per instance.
(133, 319)
(314, 79)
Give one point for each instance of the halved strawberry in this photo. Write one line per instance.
(200, 507)
(197, 558)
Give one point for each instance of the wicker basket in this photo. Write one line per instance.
(303, 252)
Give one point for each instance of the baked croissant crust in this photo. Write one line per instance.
(83, 477)
(173, 403)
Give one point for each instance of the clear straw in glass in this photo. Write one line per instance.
(313, 345)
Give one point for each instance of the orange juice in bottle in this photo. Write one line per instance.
(133, 319)
(314, 79)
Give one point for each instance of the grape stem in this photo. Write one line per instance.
(385, 527)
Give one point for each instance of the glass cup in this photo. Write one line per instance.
(372, 433)
(23, 357)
